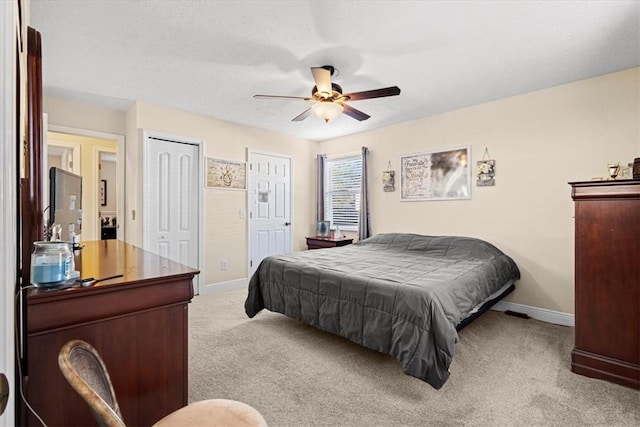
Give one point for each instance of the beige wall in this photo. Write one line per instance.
(540, 141)
(53, 162)
(80, 115)
(225, 233)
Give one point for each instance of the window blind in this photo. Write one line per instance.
(342, 191)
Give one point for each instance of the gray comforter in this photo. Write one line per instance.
(400, 294)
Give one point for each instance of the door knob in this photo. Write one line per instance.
(287, 224)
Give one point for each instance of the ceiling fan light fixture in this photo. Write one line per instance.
(327, 111)
(328, 99)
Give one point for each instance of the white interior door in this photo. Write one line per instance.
(269, 207)
(172, 201)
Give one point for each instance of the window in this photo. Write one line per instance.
(342, 191)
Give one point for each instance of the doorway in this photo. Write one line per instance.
(107, 193)
(79, 151)
(269, 201)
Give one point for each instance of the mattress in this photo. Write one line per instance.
(400, 294)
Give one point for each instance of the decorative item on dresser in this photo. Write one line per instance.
(614, 170)
(325, 242)
(607, 285)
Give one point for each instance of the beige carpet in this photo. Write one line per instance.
(506, 372)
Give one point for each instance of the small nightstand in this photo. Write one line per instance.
(326, 242)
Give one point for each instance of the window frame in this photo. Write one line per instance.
(329, 191)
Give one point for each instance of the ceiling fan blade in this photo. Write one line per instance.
(356, 114)
(302, 115)
(375, 93)
(322, 77)
(281, 97)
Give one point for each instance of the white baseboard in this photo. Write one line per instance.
(542, 314)
(212, 288)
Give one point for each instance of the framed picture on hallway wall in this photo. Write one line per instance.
(225, 174)
(103, 192)
(436, 175)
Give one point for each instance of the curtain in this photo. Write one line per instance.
(322, 158)
(364, 229)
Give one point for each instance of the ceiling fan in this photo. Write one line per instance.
(328, 99)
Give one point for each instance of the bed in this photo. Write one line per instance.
(401, 294)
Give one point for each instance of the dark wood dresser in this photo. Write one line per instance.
(607, 281)
(138, 323)
(326, 242)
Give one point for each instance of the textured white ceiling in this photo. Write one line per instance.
(211, 57)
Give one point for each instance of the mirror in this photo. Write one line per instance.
(96, 160)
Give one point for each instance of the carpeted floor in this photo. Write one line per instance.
(507, 371)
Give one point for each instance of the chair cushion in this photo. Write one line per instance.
(214, 412)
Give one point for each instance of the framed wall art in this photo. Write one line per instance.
(103, 192)
(436, 175)
(485, 170)
(389, 179)
(486, 173)
(225, 174)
